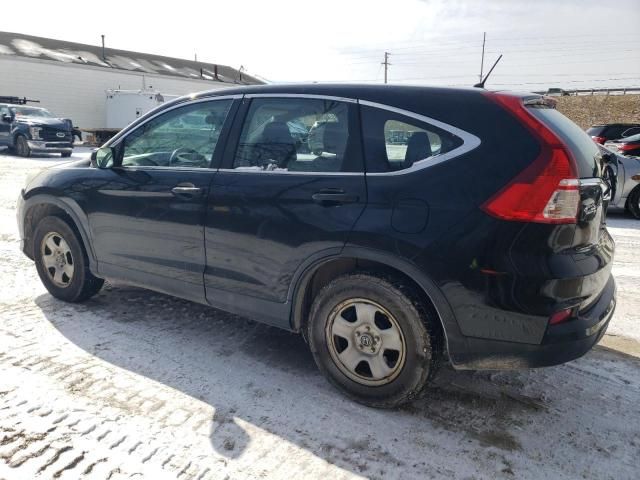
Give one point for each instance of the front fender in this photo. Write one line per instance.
(37, 199)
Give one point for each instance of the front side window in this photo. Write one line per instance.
(296, 134)
(395, 142)
(184, 137)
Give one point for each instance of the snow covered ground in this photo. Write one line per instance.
(133, 384)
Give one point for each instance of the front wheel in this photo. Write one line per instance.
(65, 154)
(22, 147)
(62, 262)
(373, 339)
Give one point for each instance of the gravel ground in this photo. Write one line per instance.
(133, 384)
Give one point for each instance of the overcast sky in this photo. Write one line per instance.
(546, 43)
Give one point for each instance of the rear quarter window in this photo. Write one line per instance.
(394, 142)
(584, 149)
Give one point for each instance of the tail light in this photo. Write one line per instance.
(626, 147)
(560, 316)
(599, 140)
(547, 191)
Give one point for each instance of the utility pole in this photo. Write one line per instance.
(103, 57)
(386, 65)
(484, 39)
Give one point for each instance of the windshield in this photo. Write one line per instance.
(30, 112)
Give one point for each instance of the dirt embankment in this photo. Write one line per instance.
(587, 110)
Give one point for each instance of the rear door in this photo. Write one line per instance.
(276, 203)
(147, 217)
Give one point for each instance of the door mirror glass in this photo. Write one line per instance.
(6, 118)
(102, 157)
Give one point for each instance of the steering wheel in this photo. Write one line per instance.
(185, 155)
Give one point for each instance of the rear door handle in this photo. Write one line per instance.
(333, 196)
(186, 190)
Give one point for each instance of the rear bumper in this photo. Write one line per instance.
(560, 343)
(50, 147)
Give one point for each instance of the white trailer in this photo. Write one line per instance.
(125, 106)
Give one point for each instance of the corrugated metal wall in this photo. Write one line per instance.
(78, 91)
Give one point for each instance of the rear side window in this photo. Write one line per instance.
(297, 135)
(584, 150)
(394, 142)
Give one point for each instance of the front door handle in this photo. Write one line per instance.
(333, 196)
(186, 190)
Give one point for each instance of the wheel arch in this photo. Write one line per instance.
(320, 272)
(37, 207)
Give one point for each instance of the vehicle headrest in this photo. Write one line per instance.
(335, 138)
(418, 148)
(277, 132)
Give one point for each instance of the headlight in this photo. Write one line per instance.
(35, 132)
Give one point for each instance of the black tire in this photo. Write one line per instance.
(82, 284)
(422, 338)
(22, 147)
(65, 154)
(633, 202)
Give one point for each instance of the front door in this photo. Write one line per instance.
(5, 127)
(290, 189)
(148, 217)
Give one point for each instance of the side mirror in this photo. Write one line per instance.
(7, 118)
(103, 157)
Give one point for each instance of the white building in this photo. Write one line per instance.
(71, 79)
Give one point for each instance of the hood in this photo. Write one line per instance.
(59, 123)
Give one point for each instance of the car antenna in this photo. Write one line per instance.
(482, 82)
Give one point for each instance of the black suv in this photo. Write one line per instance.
(479, 238)
(613, 131)
(26, 130)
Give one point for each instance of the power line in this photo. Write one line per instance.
(615, 39)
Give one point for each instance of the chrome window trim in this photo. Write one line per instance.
(301, 95)
(167, 168)
(287, 172)
(469, 141)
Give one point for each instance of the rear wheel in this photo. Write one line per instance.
(373, 340)
(633, 202)
(62, 262)
(65, 154)
(22, 147)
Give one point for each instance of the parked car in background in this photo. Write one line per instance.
(613, 131)
(26, 129)
(488, 251)
(622, 174)
(629, 146)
